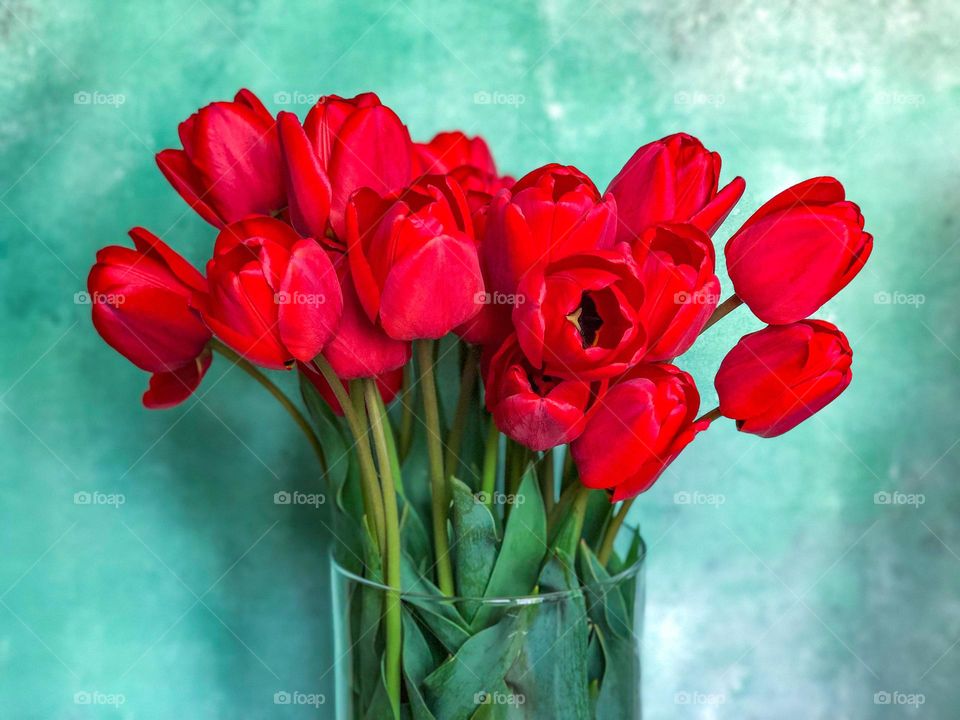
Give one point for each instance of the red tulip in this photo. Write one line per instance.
(673, 180)
(413, 259)
(534, 409)
(637, 429)
(230, 165)
(580, 315)
(388, 384)
(361, 348)
(776, 378)
(551, 212)
(797, 251)
(676, 266)
(469, 161)
(141, 308)
(344, 145)
(274, 296)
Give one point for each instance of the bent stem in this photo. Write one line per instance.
(392, 623)
(277, 393)
(711, 415)
(372, 499)
(723, 309)
(438, 481)
(606, 547)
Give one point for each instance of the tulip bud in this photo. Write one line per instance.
(534, 409)
(141, 307)
(797, 251)
(468, 160)
(274, 297)
(637, 429)
(230, 165)
(579, 317)
(777, 377)
(413, 259)
(676, 264)
(673, 180)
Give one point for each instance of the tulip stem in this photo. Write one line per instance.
(723, 309)
(372, 500)
(277, 393)
(392, 623)
(468, 380)
(610, 537)
(438, 480)
(710, 416)
(548, 480)
(488, 481)
(408, 397)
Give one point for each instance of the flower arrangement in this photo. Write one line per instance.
(488, 370)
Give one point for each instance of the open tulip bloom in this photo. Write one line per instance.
(468, 344)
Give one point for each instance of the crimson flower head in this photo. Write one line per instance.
(413, 258)
(580, 315)
(776, 378)
(230, 165)
(797, 251)
(343, 145)
(673, 180)
(141, 308)
(534, 409)
(470, 162)
(273, 296)
(676, 265)
(637, 429)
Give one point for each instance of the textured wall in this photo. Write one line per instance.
(792, 594)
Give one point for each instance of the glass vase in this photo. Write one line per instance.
(570, 654)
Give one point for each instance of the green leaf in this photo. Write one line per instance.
(599, 509)
(619, 690)
(367, 606)
(439, 617)
(606, 604)
(551, 672)
(453, 689)
(474, 542)
(521, 553)
(413, 535)
(418, 662)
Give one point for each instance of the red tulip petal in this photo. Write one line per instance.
(310, 301)
(172, 388)
(180, 173)
(308, 189)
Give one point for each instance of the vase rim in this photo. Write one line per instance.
(628, 572)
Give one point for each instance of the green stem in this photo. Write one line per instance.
(438, 480)
(548, 480)
(372, 500)
(277, 393)
(606, 547)
(711, 415)
(468, 380)
(488, 481)
(723, 309)
(392, 623)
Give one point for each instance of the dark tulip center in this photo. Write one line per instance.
(587, 320)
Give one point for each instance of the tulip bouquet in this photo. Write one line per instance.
(487, 366)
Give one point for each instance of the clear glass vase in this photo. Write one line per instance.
(569, 654)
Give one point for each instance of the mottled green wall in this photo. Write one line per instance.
(797, 597)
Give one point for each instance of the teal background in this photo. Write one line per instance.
(782, 590)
